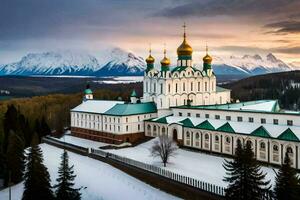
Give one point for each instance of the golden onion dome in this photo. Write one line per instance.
(165, 61)
(207, 59)
(150, 59)
(184, 49)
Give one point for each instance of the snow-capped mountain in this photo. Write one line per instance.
(113, 62)
(118, 62)
(249, 65)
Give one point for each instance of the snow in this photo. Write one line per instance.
(198, 165)
(101, 180)
(81, 142)
(96, 106)
(262, 106)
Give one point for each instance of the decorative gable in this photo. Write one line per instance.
(205, 125)
(226, 128)
(289, 135)
(261, 132)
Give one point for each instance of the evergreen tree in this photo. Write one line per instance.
(15, 157)
(244, 175)
(64, 187)
(9, 123)
(287, 182)
(35, 140)
(37, 179)
(45, 129)
(37, 128)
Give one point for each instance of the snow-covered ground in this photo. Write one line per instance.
(197, 165)
(81, 142)
(101, 180)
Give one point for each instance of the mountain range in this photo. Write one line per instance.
(118, 62)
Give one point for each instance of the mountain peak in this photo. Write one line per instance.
(271, 57)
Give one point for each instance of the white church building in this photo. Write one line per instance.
(185, 103)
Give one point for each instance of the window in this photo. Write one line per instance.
(262, 146)
(180, 114)
(275, 121)
(119, 128)
(169, 88)
(191, 86)
(154, 88)
(197, 136)
(139, 126)
(138, 118)
(197, 115)
(227, 139)
(251, 119)
(205, 86)
(189, 114)
(228, 118)
(217, 116)
(163, 130)
(127, 128)
(289, 122)
(206, 137)
(239, 119)
(176, 87)
(217, 138)
(126, 119)
(275, 148)
(198, 86)
(188, 134)
(183, 86)
(207, 116)
(263, 120)
(161, 88)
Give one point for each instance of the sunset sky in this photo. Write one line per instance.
(227, 26)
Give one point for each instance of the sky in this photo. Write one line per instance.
(228, 27)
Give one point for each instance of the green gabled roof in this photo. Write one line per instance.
(132, 109)
(162, 120)
(187, 123)
(133, 94)
(205, 125)
(289, 135)
(226, 128)
(261, 132)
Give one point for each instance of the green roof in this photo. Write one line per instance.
(162, 120)
(133, 94)
(132, 109)
(187, 123)
(289, 135)
(88, 91)
(205, 125)
(226, 128)
(261, 132)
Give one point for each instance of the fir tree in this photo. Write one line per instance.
(287, 182)
(64, 187)
(15, 157)
(37, 179)
(45, 129)
(244, 175)
(35, 140)
(9, 123)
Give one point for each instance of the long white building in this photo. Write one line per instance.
(185, 103)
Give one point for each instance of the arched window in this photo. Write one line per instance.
(262, 146)
(289, 150)
(249, 143)
(188, 134)
(197, 136)
(227, 139)
(206, 137)
(275, 148)
(238, 141)
(217, 138)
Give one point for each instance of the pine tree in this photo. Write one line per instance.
(64, 187)
(244, 175)
(287, 182)
(37, 179)
(45, 129)
(9, 123)
(15, 157)
(35, 140)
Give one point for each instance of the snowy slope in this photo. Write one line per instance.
(249, 65)
(101, 180)
(112, 62)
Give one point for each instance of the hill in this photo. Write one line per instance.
(284, 86)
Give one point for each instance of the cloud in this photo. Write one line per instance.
(254, 8)
(243, 49)
(287, 50)
(284, 27)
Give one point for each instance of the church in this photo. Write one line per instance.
(185, 103)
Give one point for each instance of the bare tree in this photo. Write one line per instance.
(164, 148)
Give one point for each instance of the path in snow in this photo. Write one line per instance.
(103, 182)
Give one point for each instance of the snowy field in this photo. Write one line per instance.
(102, 181)
(121, 79)
(80, 142)
(197, 165)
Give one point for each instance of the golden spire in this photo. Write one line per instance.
(150, 59)
(165, 61)
(207, 58)
(184, 49)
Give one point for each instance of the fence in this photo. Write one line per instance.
(163, 172)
